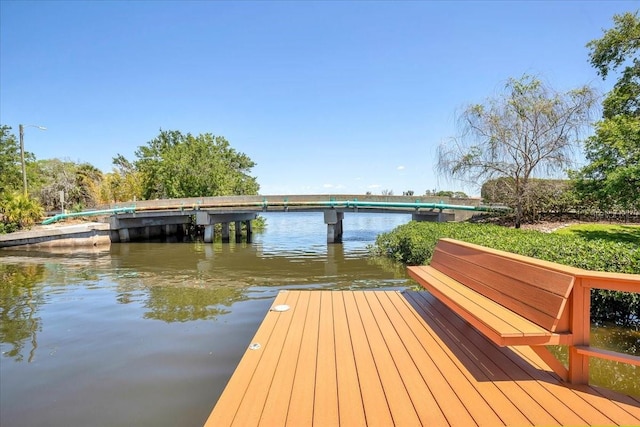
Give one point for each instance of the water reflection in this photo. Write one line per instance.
(617, 376)
(162, 326)
(616, 338)
(173, 304)
(20, 300)
(185, 282)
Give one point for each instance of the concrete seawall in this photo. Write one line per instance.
(85, 234)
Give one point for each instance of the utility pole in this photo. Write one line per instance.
(24, 168)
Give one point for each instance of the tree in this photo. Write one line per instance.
(123, 184)
(174, 165)
(451, 194)
(88, 179)
(612, 175)
(17, 210)
(10, 166)
(530, 129)
(79, 182)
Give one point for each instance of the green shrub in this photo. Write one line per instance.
(18, 211)
(413, 244)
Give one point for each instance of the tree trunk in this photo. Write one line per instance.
(519, 202)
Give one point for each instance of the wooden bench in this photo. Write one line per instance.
(518, 300)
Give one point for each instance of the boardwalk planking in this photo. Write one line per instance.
(355, 358)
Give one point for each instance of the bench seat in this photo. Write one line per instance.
(500, 324)
(513, 300)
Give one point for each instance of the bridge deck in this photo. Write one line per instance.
(387, 358)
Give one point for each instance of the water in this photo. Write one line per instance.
(150, 333)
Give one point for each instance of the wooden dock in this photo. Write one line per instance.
(358, 358)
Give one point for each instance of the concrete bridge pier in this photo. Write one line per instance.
(131, 227)
(333, 219)
(225, 232)
(210, 219)
(123, 235)
(249, 230)
(434, 216)
(239, 231)
(208, 233)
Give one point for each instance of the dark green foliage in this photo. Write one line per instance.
(612, 176)
(618, 50)
(615, 307)
(175, 165)
(10, 172)
(413, 244)
(452, 194)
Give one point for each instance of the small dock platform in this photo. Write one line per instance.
(388, 358)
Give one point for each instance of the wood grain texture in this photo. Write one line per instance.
(386, 358)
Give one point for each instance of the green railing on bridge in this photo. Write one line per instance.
(58, 217)
(264, 202)
(407, 205)
(311, 201)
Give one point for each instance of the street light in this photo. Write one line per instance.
(24, 169)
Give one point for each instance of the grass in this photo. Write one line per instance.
(609, 232)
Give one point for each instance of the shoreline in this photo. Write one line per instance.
(79, 234)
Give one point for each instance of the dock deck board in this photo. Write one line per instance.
(369, 358)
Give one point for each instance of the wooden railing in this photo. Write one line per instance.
(580, 351)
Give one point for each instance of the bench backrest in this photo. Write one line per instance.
(523, 285)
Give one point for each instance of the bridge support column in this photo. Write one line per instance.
(225, 232)
(170, 229)
(433, 216)
(208, 233)
(238, 230)
(208, 219)
(247, 226)
(333, 220)
(124, 235)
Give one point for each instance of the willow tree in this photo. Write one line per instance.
(530, 130)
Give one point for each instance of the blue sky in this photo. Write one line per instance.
(326, 97)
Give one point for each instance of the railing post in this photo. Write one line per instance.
(580, 329)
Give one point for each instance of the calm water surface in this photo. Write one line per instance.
(148, 334)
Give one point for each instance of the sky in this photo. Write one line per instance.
(327, 97)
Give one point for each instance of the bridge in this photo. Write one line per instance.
(151, 218)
